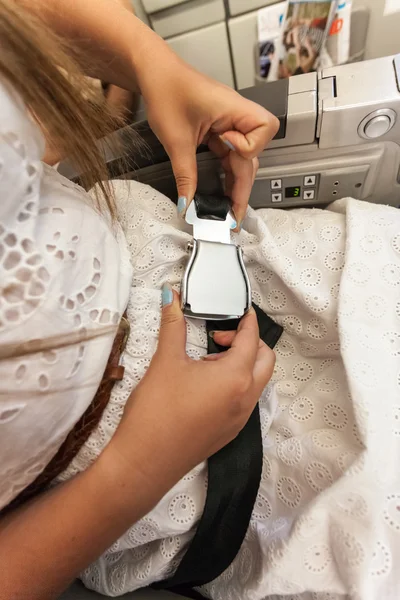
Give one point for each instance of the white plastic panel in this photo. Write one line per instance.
(383, 36)
(237, 7)
(139, 11)
(188, 16)
(154, 5)
(243, 33)
(207, 50)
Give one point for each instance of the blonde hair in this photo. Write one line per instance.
(70, 112)
(36, 63)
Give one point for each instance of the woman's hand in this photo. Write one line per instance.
(183, 411)
(186, 108)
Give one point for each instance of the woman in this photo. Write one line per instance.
(326, 518)
(86, 256)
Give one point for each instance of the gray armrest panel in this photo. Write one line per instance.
(78, 592)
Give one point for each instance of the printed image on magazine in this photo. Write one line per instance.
(305, 29)
(270, 21)
(266, 56)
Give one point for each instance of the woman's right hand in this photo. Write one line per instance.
(184, 410)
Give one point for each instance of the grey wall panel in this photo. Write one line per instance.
(154, 5)
(207, 50)
(383, 35)
(237, 7)
(139, 11)
(187, 17)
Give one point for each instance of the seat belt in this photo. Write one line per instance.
(234, 475)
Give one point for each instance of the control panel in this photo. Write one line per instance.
(339, 137)
(287, 190)
(284, 181)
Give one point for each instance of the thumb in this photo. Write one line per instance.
(184, 166)
(172, 338)
(251, 144)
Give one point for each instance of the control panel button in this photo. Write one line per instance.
(310, 180)
(377, 127)
(377, 123)
(276, 184)
(309, 195)
(276, 197)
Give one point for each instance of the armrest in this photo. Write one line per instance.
(78, 592)
(272, 96)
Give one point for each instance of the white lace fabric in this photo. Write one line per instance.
(326, 524)
(62, 271)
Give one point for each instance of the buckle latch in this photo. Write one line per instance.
(215, 285)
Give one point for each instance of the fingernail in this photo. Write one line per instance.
(229, 144)
(233, 225)
(167, 296)
(182, 203)
(238, 223)
(211, 334)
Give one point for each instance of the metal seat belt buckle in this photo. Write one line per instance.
(215, 284)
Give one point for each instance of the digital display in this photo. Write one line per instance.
(293, 192)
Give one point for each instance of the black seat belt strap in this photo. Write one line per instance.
(234, 475)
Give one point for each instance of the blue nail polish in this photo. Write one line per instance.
(234, 225)
(229, 144)
(182, 203)
(167, 296)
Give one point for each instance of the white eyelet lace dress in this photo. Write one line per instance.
(326, 524)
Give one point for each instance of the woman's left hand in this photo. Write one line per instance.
(186, 108)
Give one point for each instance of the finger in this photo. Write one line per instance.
(263, 368)
(220, 149)
(172, 338)
(256, 165)
(229, 181)
(184, 166)
(223, 338)
(214, 357)
(218, 146)
(243, 173)
(252, 129)
(252, 144)
(240, 174)
(244, 346)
